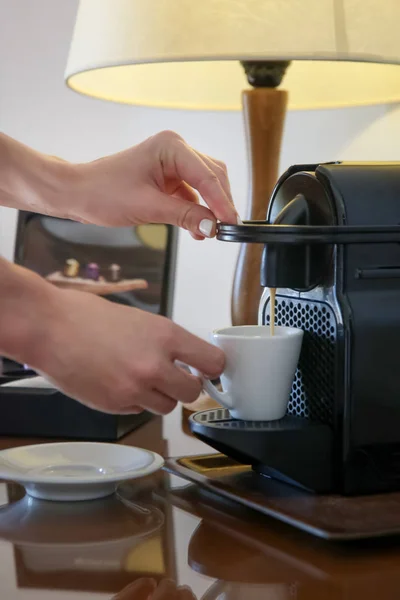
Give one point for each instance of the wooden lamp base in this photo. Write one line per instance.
(264, 115)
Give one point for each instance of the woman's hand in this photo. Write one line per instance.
(153, 182)
(147, 589)
(114, 358)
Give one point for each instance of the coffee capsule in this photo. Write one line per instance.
(92, 271)
(115, 272)
(71, 268)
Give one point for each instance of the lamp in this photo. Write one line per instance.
(228, 54)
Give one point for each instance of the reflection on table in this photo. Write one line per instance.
(159, 534)
(100, 545)
(257, 558)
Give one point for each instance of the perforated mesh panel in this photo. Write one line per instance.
(313, 387)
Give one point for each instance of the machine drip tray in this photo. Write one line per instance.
(220, 418)
(327, 516)
(268, 446)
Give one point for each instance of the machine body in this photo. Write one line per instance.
(332, 250)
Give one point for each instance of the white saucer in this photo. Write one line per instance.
(75, 470)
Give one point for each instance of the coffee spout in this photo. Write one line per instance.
(286, 265)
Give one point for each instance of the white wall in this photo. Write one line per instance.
(37, 108)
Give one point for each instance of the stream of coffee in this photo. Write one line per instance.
(272, 292)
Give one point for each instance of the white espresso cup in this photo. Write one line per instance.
(259, 370)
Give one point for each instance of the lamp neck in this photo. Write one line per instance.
(267, 74)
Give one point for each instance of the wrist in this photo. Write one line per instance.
(27, 310)
(33, 181)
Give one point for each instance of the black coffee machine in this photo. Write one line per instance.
(332, 250)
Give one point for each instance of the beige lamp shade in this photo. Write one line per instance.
(186, 53)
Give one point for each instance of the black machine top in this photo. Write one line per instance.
(261, 232)
(320, 205)
(305, 205)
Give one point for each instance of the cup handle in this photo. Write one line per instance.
(221, 397)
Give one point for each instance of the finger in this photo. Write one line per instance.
(138, 590)
(193, 351)
(165, 591)
(185, 593)
(185, 192)
(180, 385)
(197, 219)
(220, 170)
(157, 402)
(112, 407)
(129, 410)
(198, 238)
(192, 169)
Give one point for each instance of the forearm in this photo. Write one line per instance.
(27, 306)
(33, 181)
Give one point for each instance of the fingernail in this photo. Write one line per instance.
(206, 227)
(239, 220)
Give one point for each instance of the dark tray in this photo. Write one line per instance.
(331, 517)
(48, 413)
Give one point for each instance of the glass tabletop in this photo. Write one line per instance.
(160, 538)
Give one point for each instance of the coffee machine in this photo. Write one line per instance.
(332, 251)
